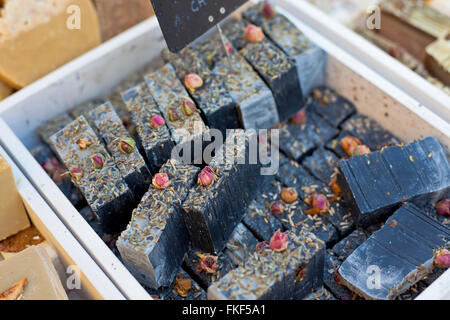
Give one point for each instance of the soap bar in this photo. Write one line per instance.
(106, 192)
(131, 164)
(322, 164)
(5, 90)
(157, 143)
(310, 59)
(241, 244)
(13, 217)
(156, 239)
(52, 126)
(437, 60)
(33, 264)
(403, 250)
(374, 184)
(260, 221)
(271, 275)
(257, 107)
(36, 39)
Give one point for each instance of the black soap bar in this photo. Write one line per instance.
(213, 99)
(156, 142)
(402, 251)
(241, 244)
(197, 264)
(377, 183)
(332, 281)
(370, 132)
(322, 164)
(104, 189)
(346, 246)
(52, 126)
(340, 217)
(156, 239)
(276, 275)
(130, 162)
(331, 106)
(260, 221)
(55, 169)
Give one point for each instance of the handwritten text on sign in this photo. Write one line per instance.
(183, 21)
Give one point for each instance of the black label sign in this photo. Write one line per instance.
(183, 21)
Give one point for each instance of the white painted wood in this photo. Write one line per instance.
(438, 290)
(99, 70)
(94, 283)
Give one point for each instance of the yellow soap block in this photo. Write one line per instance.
(37, 37)
(13, 217)
(34, 265)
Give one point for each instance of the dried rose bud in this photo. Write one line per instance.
(337, 192)
(127, 145)
(349, 143)
(253, 33)
(277, 207)
(337, 277)
(76, 174)
(229, 49)
(299, 118)
(442, 259)
(279, 241)
(50, 166)
(84, 143)
(261, 247)
(192, 81)
(161, 181)
(188, 107)
(289, 195)
(318, 203)
(173, 115)
(208, 263)
(443, 207)
(157, 121)
(360, 150)
(182, 286)
(268, 10)
(206, 177)
(396, 52)
(98, 161)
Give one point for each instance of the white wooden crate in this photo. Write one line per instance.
(101, 69)
(94, 283)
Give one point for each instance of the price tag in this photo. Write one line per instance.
(183, 21)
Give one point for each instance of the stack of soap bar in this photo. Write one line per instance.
(131, 165)
(310, 59)
(374, 184)
(34, 265)
(13, 217)
(257, 107)
(156, 142)
(271, 275)
(280, 74)
(104, 189)
(156, 239)
(403, 251)
(169, 95)
(39, 36)
(212, 212)
(212, 97)
(334, 108)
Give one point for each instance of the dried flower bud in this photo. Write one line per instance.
(442, 259)
(337, 277)
(349, 143)
(318, 203)
(299, 118)
(14, 292)
(161, 181)
(443, 207)
(268, 10)
(360, 150)
(76, 174)
(279, 241)
(337, 192)
(262, 246)
(173, 115)
(253, 33)
(84, 143)
(188, 107)
(277, 207)
(192, 81)
(208, 263)
(182, 286)
(289, 195)
(229, 49)
(126, 145)
(98, 161)
(206, 177)
(157, 121)
(317, 94)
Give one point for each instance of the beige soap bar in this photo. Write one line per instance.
(35, 37)
(5, 90)
(33, 264)
(13, 217)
